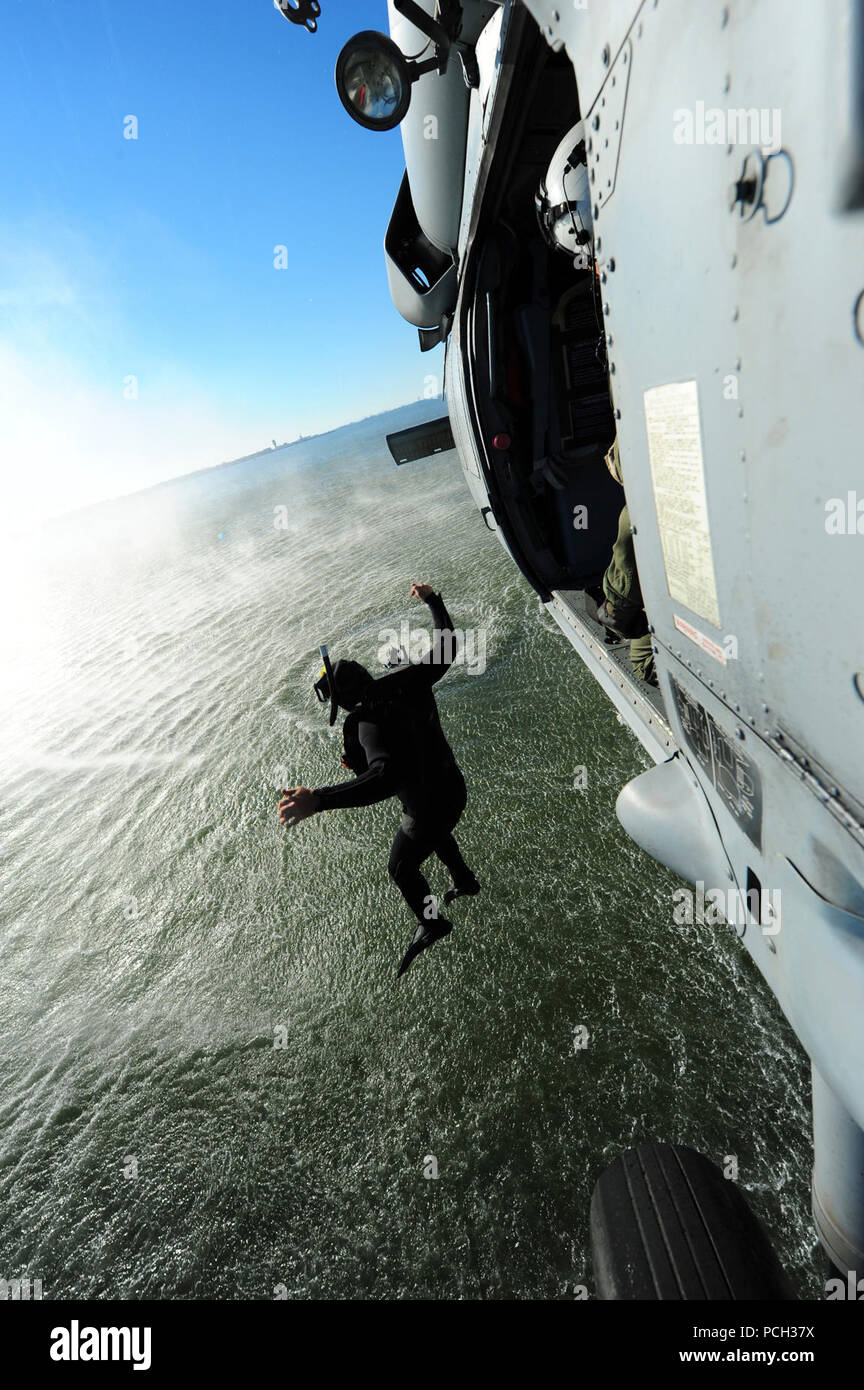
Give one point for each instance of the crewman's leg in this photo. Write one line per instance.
(621, 580)
(623, 609)
(642, 658)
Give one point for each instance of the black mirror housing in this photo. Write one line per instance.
(373, 80)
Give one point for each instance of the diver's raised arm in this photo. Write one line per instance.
(440, 657)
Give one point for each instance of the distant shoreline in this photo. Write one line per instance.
(230, 463)
(259, 453)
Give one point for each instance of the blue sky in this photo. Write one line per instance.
(153, 258)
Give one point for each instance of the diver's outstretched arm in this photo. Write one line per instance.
(297, 804)
(440, 657)
(376, 784)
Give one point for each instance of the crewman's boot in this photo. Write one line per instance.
(626, 622)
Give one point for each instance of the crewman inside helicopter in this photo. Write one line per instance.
(622, 610)
(563, 205)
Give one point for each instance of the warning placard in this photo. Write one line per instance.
(678, 479)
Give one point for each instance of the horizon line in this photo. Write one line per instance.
(230, 463)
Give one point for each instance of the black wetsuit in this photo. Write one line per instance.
(406, 754)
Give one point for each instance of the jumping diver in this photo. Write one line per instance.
(395, 745)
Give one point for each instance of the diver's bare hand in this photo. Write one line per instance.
(297, 803)
(424, 591)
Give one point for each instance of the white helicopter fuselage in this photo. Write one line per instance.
(725, 153)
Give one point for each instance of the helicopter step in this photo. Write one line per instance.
(421, 441)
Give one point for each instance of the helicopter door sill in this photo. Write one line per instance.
(639, 706)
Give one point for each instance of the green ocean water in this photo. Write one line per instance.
(212, 1087)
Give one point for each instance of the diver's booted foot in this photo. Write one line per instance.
(426, 935)
(469, 889)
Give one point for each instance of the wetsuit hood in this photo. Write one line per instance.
(351, 681)
(342, 683)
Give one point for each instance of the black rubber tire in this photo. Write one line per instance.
(666, 1224)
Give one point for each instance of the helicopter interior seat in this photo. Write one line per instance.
(545, 487)
(532, 331)
(571, 422)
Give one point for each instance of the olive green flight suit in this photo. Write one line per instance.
(621, 581)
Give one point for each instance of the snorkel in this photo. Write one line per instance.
(325, 686)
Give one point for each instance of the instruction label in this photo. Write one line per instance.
(678, 480)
